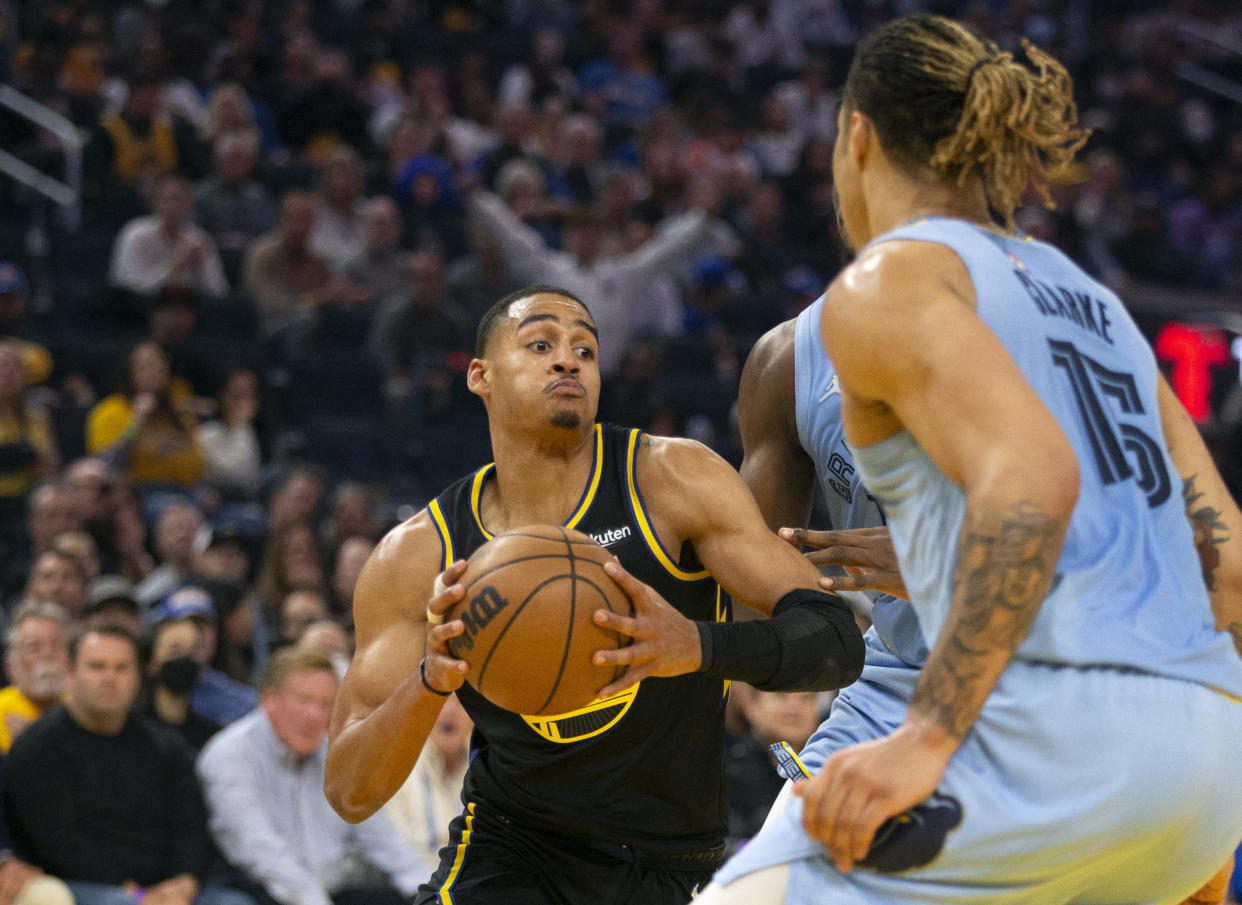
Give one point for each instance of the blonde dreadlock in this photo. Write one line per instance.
(943, 98)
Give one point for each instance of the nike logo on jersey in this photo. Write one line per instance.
(834, 386)
(611, 535)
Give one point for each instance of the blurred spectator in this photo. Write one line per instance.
(769, 250)
(513, 125)
(79, 790)
(431, 797)
(768, 38)
(36, 658)
(291, 560)
(753, 782)
(339, 234)
(214, 695)
(58, 578)
(111, 513)
(232, 457)
(780, 138)
(13, 326)
(110, 600)
(579, 148)
(171, 317)
(263, 780)
(425, 190)
(82, 547)
(133, 146)
(416, 344)
(380, 267)
(170, 671)
(353, 513)
(230, 205)
(328, 637)
(301, 608)
(621, 88)
(479, 279)
(634, 396)
(166, 248)
(177, 527)
(54, 508)
(295, 498)
(542, 72)
(28, 450)
(285, 277)
(351, 555)
(144, 430)
(613, 288)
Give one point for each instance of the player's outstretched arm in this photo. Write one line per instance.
(389, 699)
(1214, 515)
(811, 641)
(911, 353)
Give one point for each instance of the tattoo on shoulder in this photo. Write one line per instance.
(1209, 532)
(1003, 572)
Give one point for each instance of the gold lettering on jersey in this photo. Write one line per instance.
(593, 719)
(476, 615)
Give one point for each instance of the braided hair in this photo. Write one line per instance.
(946, 100)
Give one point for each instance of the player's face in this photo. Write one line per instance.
(544, 368)
(847, 186)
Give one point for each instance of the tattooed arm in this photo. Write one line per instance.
(1212, 512)
(912, 354)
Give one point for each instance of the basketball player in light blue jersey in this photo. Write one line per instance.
(1071, 735)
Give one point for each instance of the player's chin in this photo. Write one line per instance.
(567, 418)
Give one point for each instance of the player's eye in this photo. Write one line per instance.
(586, 352)
(540, 345)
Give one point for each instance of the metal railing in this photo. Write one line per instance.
(66, 194)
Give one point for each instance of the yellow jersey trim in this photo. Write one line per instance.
(442, 528)
(476, 492)
(644, 524)
(550, 728)
(584, 504)
(724, 613)
(446, 897)
(597, 471)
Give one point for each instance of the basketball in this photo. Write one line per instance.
(530, 596)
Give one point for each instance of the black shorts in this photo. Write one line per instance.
(490, 860)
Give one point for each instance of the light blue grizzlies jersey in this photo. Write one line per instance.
(849, 505)
(1129, 590)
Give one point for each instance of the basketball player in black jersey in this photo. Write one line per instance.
(623, 801)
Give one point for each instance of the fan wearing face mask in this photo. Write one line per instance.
(171, 671)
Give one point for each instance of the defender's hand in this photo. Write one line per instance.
(443, 671)
(663, 641)
(862, 786)
(866, 554)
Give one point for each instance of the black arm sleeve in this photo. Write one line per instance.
(811, 643)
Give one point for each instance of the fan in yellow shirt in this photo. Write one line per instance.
(37, 660)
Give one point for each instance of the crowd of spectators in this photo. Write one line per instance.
(247, 360)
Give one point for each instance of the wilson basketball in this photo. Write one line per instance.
(530, 596)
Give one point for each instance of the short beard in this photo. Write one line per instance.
(570, 420)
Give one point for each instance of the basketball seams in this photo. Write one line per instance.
(576, 550)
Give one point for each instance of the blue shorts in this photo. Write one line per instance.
(1074, 786)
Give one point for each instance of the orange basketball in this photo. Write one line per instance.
(530, 596)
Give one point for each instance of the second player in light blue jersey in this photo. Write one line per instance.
(1069, 736)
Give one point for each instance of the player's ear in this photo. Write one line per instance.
(477, 378)
(862, 137)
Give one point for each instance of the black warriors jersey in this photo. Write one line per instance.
(644, 767)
